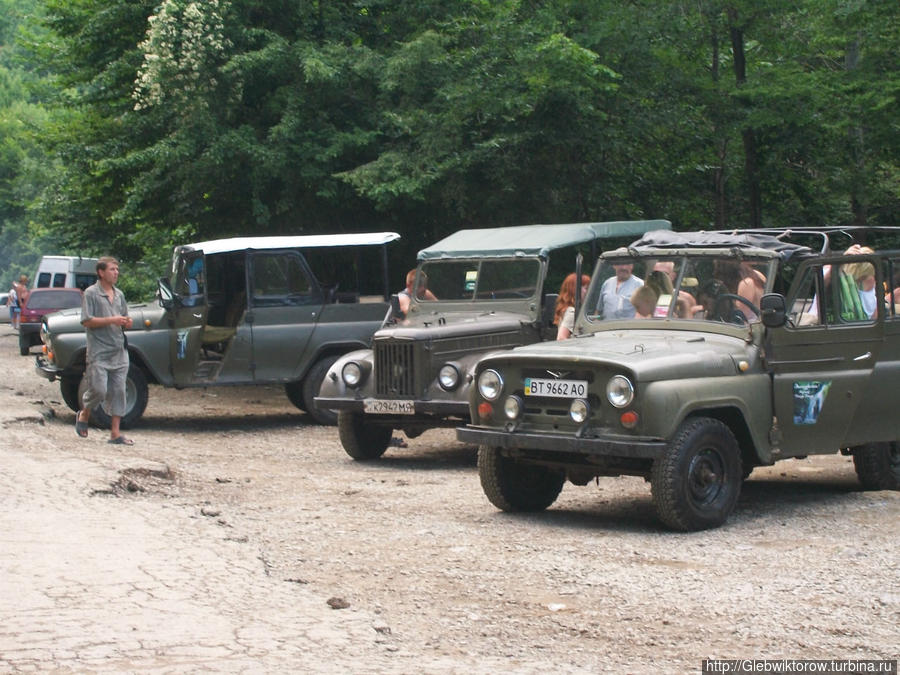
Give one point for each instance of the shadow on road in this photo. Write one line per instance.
(773, 500)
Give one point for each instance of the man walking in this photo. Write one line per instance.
(104, 315)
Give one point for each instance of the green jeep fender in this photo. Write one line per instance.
(742, 402)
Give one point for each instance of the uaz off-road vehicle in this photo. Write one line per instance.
(479, 291)
(756, 348)
(250, 310)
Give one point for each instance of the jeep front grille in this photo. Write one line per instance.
(394, 372)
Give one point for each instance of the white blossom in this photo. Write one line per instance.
(184, 45)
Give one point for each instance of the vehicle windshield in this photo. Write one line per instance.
(704, 288)
(478, 280)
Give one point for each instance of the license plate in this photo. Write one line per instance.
(556, 388)
(377, 406)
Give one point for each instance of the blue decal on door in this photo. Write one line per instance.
(809, 399)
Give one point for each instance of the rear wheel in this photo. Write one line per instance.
(311, 385)
(136, 396)
(360, 440)
(697, 481)
(511, 485)
(24, 343)
(878, 465)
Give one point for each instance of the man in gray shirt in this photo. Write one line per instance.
(104, 315)
(616, 293)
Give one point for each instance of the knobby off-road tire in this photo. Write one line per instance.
(362, 441)
(69, 388)
(136, 396)
(294, 391)
(697, 481)
(311, 385)
(517, 486)
(878, 466)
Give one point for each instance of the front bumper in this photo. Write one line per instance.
(425, 410)
(45, 369)
(632, 448)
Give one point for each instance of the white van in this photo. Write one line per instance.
(65, 271)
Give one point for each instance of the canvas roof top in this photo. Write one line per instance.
(530, 240)
(666, 240)
(299, 241)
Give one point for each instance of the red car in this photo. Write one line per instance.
(42, 301)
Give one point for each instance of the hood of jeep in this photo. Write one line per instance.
(69, 320)
(455, 324)
(650, 355)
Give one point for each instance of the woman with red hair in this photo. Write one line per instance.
(564, 316)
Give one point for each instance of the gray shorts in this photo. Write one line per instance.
(105, 385)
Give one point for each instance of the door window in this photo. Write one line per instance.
(280, 279)
(836, 295)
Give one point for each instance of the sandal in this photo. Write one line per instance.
(121, 440)
(81, 428)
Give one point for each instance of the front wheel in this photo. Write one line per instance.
(360, 440)
(311, 385)
(878, 466)
(511, 485)
(294, 391)
(69, 388)
(136, 396)
(697, 481)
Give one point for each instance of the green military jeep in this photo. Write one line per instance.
(697, 357)
(479, 291)
(249, 310)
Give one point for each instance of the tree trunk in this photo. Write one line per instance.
(751, 163)
(856, 140)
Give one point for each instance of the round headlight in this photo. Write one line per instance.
(579, 410)
(512, 407)
(620, 391)
(490, 384)
(448, 377)
(351, 374)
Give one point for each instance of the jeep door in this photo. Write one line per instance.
(188, 316)
(822, 360)
(285, 304)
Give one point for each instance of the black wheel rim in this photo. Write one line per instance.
(706, 477)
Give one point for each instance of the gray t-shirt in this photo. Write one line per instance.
(105, 344)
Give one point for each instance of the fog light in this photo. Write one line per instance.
(512, 407)
(579, 411)
(351, 374)
(148, 323)
(448, 377)
(629, 419)
(485, 411)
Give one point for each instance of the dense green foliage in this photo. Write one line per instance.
(130, 125)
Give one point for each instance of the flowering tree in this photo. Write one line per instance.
(185, 44)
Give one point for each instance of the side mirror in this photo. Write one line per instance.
(396, 312)
(165, 293)
(773, 310)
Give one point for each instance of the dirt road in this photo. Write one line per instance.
(234, 536)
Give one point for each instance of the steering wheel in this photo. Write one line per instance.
(740, 298)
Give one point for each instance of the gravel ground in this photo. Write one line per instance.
(807, 566)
